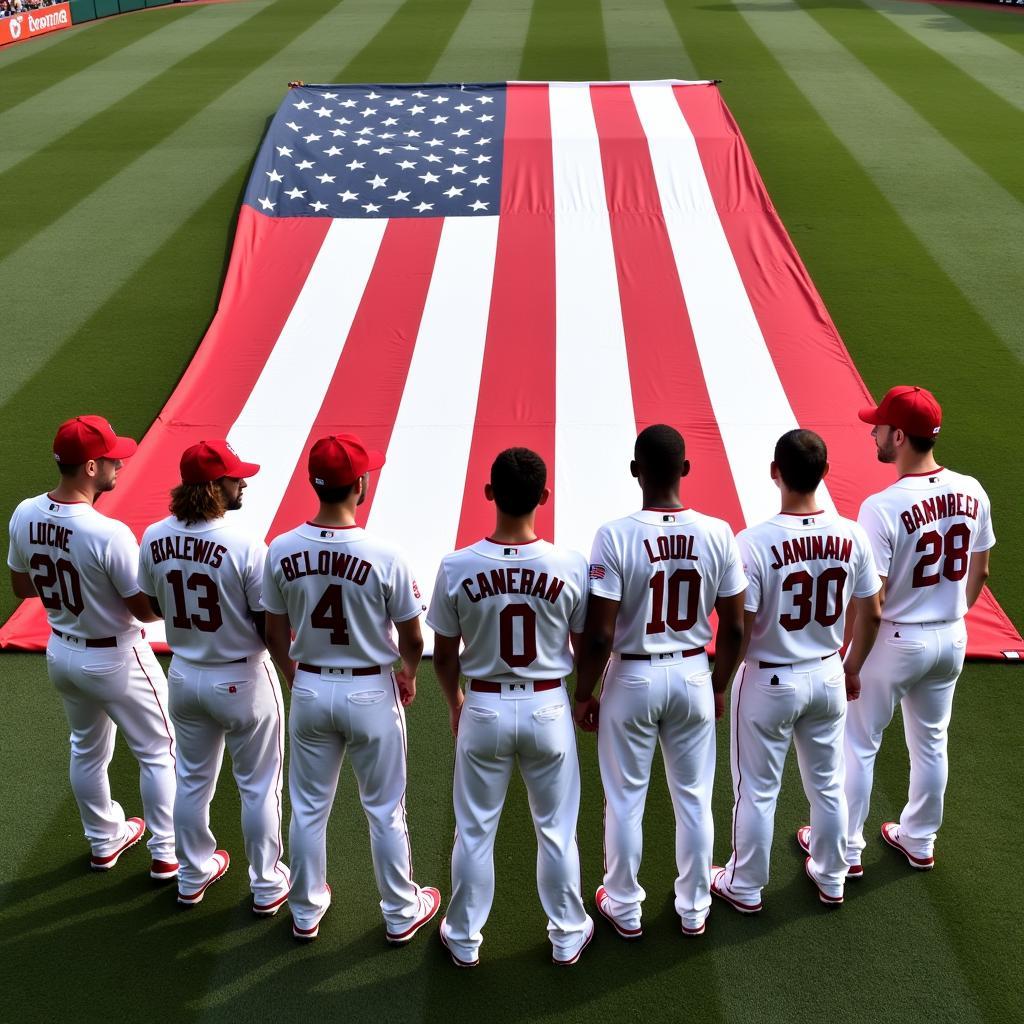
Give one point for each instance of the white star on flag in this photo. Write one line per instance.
(354, 165)
(283, 151)
(382, 150)
(420, 95)
(323, 112)
(302, 105)
(348, 103)
(453, 191)
(428, 178)
(267, 204)
(388, 121)
(400, 196)
(395, 102)
(416, 110)
(432, 158)
(318, 206)
(481, 142)
(304, 165)
(371, 208)
(296, 193)
(274, 176)
(312, 138)
(480, 180)
(477, 205)
(333, 151)
(461, 133)
(438, 119)
(486, 117)
(325, 178)
(422, 207)
(405, 164)
(377, 181)
(371, 95)
(346, 196)
(482, 159)
(367, 111)
(462, 108)
(294, 127)
(456, 169)
(338, 133)
(485, 99)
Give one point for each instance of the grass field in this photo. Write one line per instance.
(890, 137)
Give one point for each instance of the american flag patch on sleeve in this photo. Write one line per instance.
(597, 572)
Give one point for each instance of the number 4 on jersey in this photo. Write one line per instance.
(329, 613)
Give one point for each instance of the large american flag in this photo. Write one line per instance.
(448, 270)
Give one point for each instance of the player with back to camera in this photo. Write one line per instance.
(804, 567)
(205, 575)
(83, 566)
(931, 534)
(655, 577)
(339, 590)
(514, 599)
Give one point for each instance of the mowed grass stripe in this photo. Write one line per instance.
(138, 208)
(995, 65)
(643, 43)
(1006, 24)
(968, 220)
(43, 118)
(94, 151)
(951, 101)
(18, 52)
(487, 46)
(566, 42)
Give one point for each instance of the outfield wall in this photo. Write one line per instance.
(88, 10)
(29, 24)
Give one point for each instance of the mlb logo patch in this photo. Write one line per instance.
(510, 552)
(668, 518)
(597, 572)
(53, 507)
(326, 534)
(808, 522)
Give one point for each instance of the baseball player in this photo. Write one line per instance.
(931, 533)
(340, 590)
(83, 568)
(514, 600)
(655, 577)
(206, 576)
(804, 567)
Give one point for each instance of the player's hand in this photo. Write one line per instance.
(587, 714)
(406, 687)
(852, 685)
(454, 714)
(719, 705)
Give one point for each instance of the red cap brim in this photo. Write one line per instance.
(245, 469)
(870, 415)
(123, 448)
(374, 460)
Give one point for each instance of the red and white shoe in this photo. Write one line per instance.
(601, 899)
(433, 904)
(269, 909)
(222, 860)
(829, 901)
(455, 960)
(309, 934)
(803, 840)
(570, 960)
(891, 834)
(717, 890)
(135, 829)
(163, 870)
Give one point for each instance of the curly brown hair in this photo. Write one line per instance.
(197, 503)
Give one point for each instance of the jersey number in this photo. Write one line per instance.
(951, 549)
(672, 616)
(208, 602)
(68, 590)
(507, 635)
(329, 613)
(814, 597)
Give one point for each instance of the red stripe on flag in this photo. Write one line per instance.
(516, 404)
(366, 388)
(665, 371)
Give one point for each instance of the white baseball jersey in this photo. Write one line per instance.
(667, 567)
(514, 605)
(82, 565)
(206, 577)
(802, 572)
(341, 589)
(923, 530)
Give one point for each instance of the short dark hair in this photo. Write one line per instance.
(921, 445)
(333, 495)
(801, 457)
(660, 454)
(67, 470)
(518, 476)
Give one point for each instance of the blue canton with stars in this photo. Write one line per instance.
(382, 151)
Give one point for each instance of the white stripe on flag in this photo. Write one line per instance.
(428, 454)
(745, 391)
(273, 425)
(594, 420)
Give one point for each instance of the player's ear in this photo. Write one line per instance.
(774, 470)
(634, 469)
(91, 467)
(897, 436)
(488, 492)
(544, 495)
(824, 472)
(686, 469)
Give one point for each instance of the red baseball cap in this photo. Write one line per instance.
(340, 460)
(89, 437)
(210, 460)
(913, 410)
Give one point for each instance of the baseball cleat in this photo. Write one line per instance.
(601, 899)
(716, 890)
(191, 899)
(309, 934)
(163, 870)
(803, 840)
(891, 834)
(433, 905)
(136, 828)
(455, 960)
(269, 909)
(694, 932)
(569, 961)
(829, 901)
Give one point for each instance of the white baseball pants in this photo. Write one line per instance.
(806, 704)
(238, 705)
(643, 704)
(916, 666)
(105, 689)
(332, 714)
(495, 729)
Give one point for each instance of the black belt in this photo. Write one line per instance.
(373, 670)
(489, 686)
(691, 653)
(790, 664)
(103, 641)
